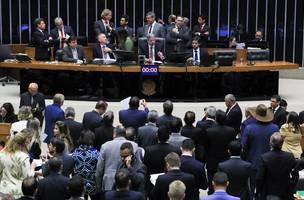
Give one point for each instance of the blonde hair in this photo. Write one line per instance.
(17, 143)
(25, 113)
(176, 190)
(105, 12)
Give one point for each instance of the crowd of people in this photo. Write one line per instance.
(148, 156)
(155, 40)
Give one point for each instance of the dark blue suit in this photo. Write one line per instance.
(234, 118)
(196, 168)
(165, 120)
(238, 172)
(246, 122)
(68, 165)
(53, 113)
(133, 117)
(91, 120)
(123, 195)
(220, 195)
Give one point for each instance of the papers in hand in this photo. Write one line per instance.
(125, 103)
(153, 177)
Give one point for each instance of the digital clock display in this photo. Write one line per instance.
(149, 70)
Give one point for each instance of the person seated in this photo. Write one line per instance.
(105, 26)
(197, 55)
(201, 30)
(258, 37)
(102, 50)
(60, 34)
(73, 52)
(152, 50)
(178, 36)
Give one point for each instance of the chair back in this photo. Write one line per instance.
(5, 131)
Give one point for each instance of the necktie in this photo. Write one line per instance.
(151, 52)
(195, 56)
(32, 101)
(150, 29)
(61, 38)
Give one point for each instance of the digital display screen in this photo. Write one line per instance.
(149, 70)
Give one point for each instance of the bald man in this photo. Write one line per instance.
(35, 100)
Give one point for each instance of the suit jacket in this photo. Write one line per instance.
(26, 198)
(108, 162)
(144, 50)
(99, 27)
(165, 120)
(147, 135)
(75, 130)
(160, 191)
(41, 42)
(203, 38)
(178, 42)
(158, 30)
(245, 123)
(218, 138)
(238, 172)
(68, 165)
(133, 117)
(97, 52)
(68, 55)
(255, 140)
(279, 117)
(38, 103)
(176, 139)
(234, 118)
(55, 34)
(91, 120)
(203, 53)
(128, 29)
(53, 113)
(103, 134)
(273, 175)
(156, 164)
(53, 187)
(123, 195)
(196, 168)
(220, 195)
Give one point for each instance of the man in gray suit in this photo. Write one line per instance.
(176, 138)
(110, 158)
(73, 52)
(152, 27)
(147, 135)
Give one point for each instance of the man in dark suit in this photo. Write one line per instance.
(76, 188)
(102, 49)
(53, 113)
(192, 166)
(201, 30)
(123, 192)
(60, 34)
(279, 112)
(93, 119)
(104, 133)
(73, 52)
(74, 126)
(220, 183)
(153, 50)
(152, 27)
(147, 134)
(132, 117)
(189, 130)
(160, 191)
(165, 120)
(197, 55)
(123, 32)
(29, 188)
(41, 40)
(105, 26)
(178, 36)
(233, 113)
(35, 100)
(273, 180)
(218, 138)
(238, 171)
(55, 185)
(258, 37)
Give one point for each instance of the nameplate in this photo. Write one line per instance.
(149, 70)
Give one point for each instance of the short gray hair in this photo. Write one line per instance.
(152, 116)
(211, 111)
(152, 14)
(69, 112)
(150, 35)
(58, 98)
(230, 97)
(58, 20)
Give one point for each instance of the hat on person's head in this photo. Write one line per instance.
(262, 113)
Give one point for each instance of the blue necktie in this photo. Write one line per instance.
(195, 56)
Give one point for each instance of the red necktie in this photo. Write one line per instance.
(62, 39)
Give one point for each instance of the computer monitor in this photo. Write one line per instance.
(5, 53)
(126, 57)
(225, 57)
(258, 54)
(178, 57)
(217, 43)
(257, 44)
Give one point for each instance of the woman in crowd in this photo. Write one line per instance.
(86, 158)
(292, 134)
(24, 114)
(34, 126)
(61, 131)
(14, 165)
(7, 113)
